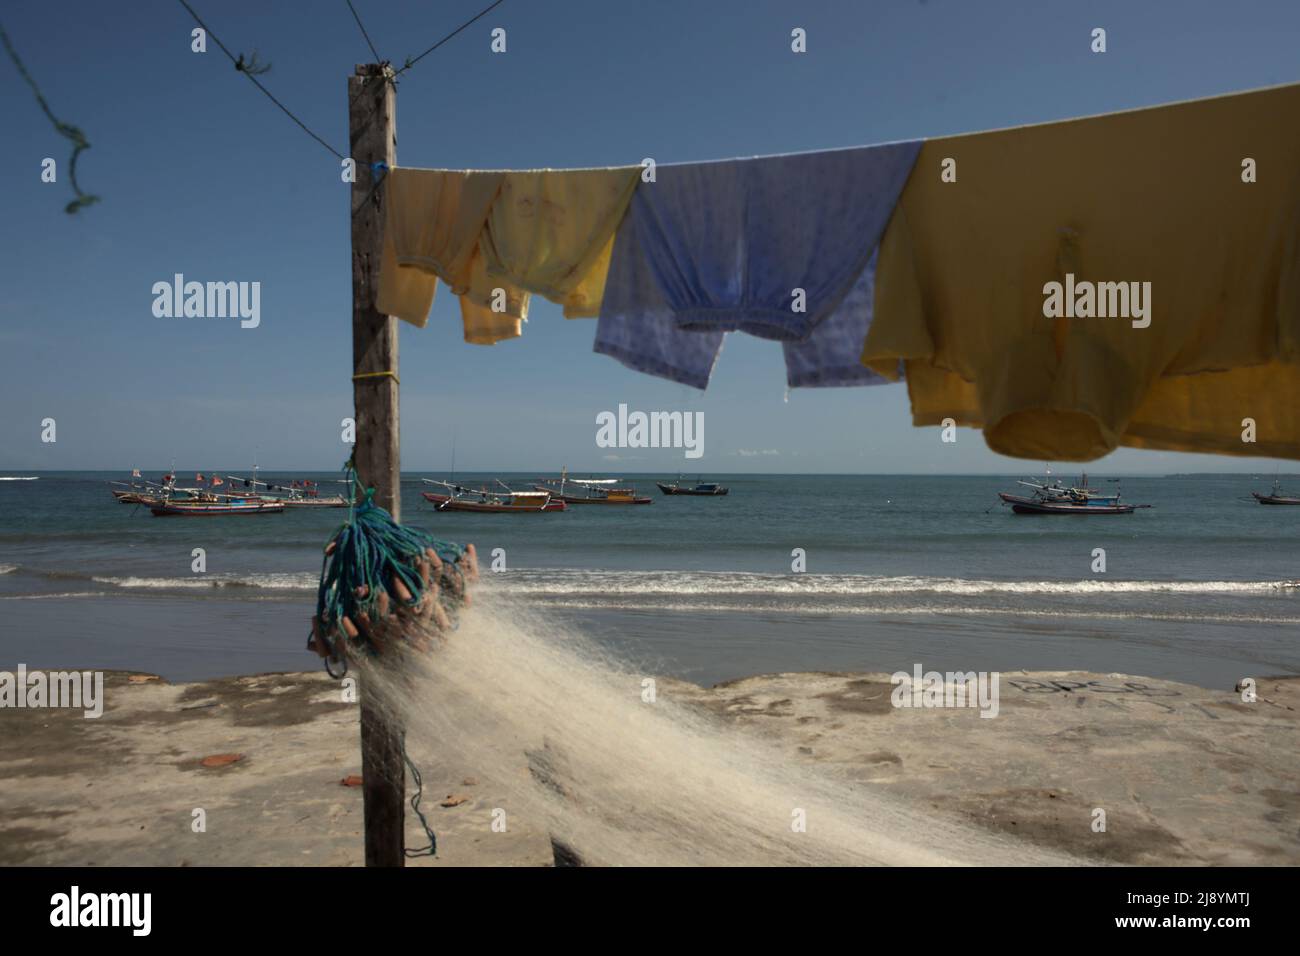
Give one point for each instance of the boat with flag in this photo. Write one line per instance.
(456, 497)
(701, 488)
(591, 491)
(1276, 497)
(299, 493)
(166, 499)
(142, 491)
(1059, 499)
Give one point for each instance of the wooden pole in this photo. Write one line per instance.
(372, 136)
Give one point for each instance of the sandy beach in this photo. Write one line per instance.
(1186, 775)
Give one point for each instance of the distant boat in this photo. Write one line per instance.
(1275, 497)
(705, 488)
(483, 500)
(229, 506)
(132, 497)
(297, 494)
(144, 492)
(1059, 499)
(591, 491)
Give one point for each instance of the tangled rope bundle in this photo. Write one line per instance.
(381, 582)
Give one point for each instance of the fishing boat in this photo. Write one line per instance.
(487, 501)
(1037, 505)
(590, 491)
(1059, 499)
(227, 505)
(296, 494)
(703, 488)
(130, 496)
(143, 491)
(1275, 497)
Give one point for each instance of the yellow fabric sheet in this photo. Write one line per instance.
(1154, 195)
(494, 237)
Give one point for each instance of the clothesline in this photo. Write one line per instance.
(985, 268)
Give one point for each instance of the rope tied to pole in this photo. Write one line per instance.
(385, 374)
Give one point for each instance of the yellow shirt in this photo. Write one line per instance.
(1148, 196)
(432, 222)
(552, 232)
(494, 237)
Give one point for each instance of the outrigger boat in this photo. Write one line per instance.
(134, 495)
(483, 500)
(167, 500)
(591, 491)
(708, 488)
(146, 492)
(1275, 497)
(190, 507)
(1058, 499)
(298, 494)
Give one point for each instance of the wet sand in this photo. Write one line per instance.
(1186, 775)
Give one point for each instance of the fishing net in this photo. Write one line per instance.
(564, 740)
(380, 580)
(570, 740)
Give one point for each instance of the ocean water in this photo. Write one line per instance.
(900, 570)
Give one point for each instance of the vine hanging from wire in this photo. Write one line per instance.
(73, 133)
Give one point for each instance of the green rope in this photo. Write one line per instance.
(369, 553)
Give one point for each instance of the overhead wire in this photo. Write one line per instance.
(249, 68)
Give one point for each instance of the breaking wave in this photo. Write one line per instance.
(631, 583)
(271, 581)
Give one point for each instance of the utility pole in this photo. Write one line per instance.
(372, 137)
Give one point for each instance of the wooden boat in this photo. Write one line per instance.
(1275, 497)
(590, 491)
(1077, 494)
(146, 492)
(1037, 505)
(229, 506)
(1058, 499)
(704, 488)
(296, 494)
(485, 501)
(306, 501)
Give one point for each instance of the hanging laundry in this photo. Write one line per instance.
(488, 315)
(1173, 237)
(551, 232)
(495, 237)
(832, 354)
(772, 246)
(433, 220)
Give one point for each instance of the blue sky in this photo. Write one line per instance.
(201, 175)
